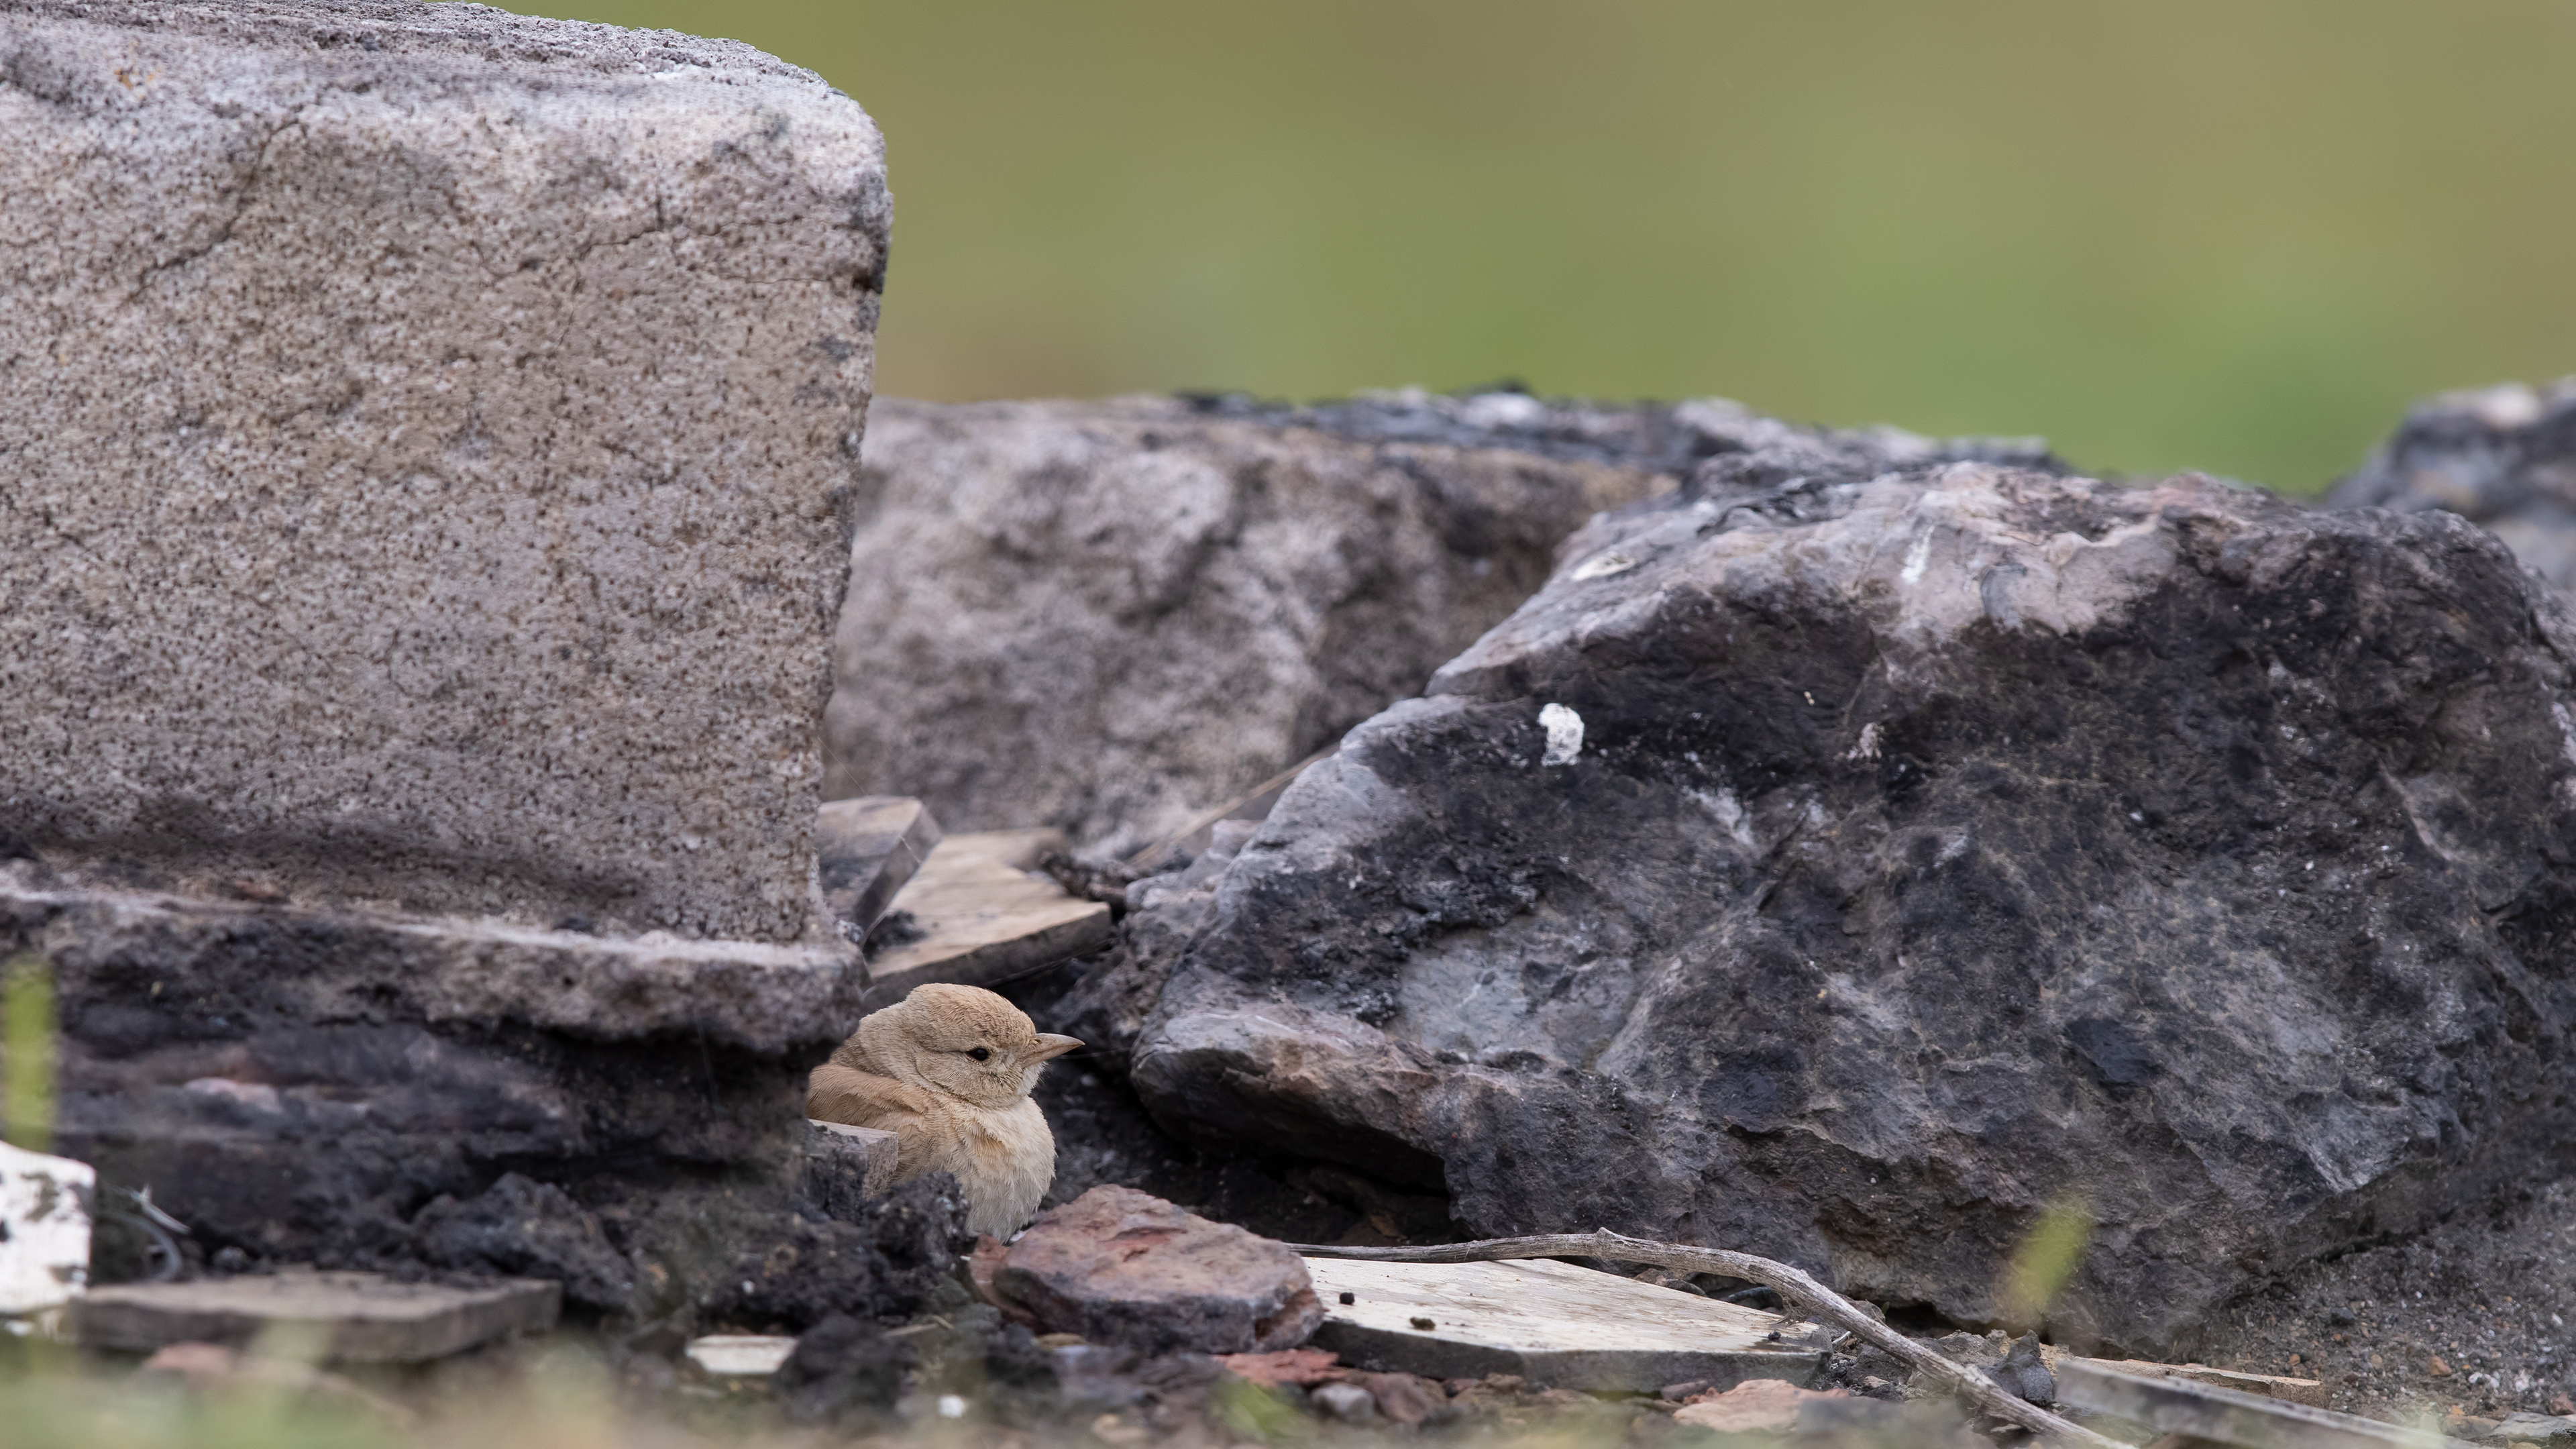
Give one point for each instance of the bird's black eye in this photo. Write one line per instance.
(981, 1054)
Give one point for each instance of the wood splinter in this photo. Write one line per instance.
(1811, 1297)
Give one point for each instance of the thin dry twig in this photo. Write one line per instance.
(1793, 1286)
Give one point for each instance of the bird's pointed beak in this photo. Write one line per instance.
(1050, 1046)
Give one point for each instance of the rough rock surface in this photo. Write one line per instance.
(522, 1228)
(883, 1262)
(428, 435)
(2486, 1296)
(2503, 457)
(1118, 1266)
(303, 1087)
(1935, 848)
(1112, 616)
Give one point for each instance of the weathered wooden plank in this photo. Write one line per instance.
(2180, 1406)
(978, 914)
(867, 849)
(2311, 1392)
(363, 1316)
(1552, 1323)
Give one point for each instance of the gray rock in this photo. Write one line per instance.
(2502, 457)
(123, 953)
(523, 1228)
(2025, 1374)
(1935, 848)
(361, 1316)
(1111, 616)
(2549, 1431)
(1347, 1402)
(429, 435)
(867, 849)
(1118, 1266)
(881, 1262)
(297, 1085)
(845, 1166)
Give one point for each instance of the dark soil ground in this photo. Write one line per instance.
(2475, 1314)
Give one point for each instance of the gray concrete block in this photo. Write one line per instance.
(428, 435)
(362, 1316)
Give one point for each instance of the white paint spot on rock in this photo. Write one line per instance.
(1564, 734)
(1918, 557)
(259, 1096)
(1866, 748)
(1604, 565)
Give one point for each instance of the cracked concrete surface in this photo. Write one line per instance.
(426, 436)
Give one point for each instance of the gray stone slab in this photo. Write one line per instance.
(868, 848)
(429, 436)
(846, 1165)
(1554, 1324)
(2549, 1431)
(139, 952)
(361, 1316)
(2226, 1416)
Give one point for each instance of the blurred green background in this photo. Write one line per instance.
(2236, 236)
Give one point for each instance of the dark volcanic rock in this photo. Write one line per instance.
(1118, 1266)
(844, 1370)
(521, 1228)
(884, 1264)
(1936, 848)
(2503, 457)
(307, 1087)
(1111, 616)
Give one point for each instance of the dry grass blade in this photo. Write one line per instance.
(1793, 1286)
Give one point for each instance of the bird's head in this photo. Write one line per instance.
(963, 1041)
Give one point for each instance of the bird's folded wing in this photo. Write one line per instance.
(836, 1093)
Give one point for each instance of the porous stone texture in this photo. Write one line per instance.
(429, 434)
(307, 1087)
(884, 1261)
(1940, 846)
(845, 1166)
(1111, 616)
(523, 1228)
(1118, 1266)
(2503, 457)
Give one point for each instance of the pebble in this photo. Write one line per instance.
(1347, 1402)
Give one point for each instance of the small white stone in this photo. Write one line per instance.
(951, 1407)
(740, 1355)
(1347, 1402)
(1502, 410)
(1564, 734)
(44, 1229)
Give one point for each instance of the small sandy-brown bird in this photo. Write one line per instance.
(948, 1071)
